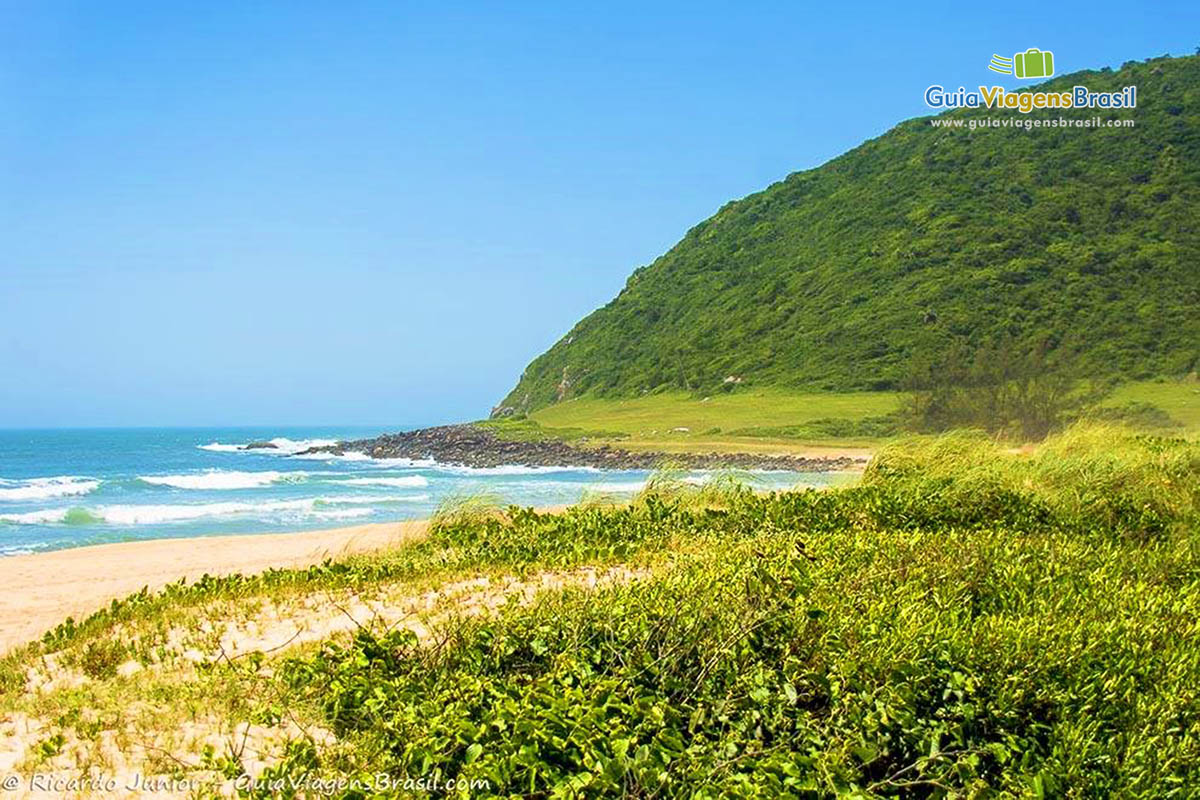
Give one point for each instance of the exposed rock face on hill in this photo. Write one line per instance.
(472, 446)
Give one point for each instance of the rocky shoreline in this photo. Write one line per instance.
(473, 446)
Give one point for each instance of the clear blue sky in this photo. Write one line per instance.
(379, 212)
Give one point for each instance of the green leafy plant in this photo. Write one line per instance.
(960, 624)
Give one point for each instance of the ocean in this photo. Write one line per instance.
(67, 488)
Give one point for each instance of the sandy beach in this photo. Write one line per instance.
(39, 591)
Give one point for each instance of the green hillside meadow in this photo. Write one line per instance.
(1083, 241)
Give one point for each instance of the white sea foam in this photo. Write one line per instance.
(222, 479)
(152, 514)
(343, 513)
(293, 446)
(408, 498)
(371, 499)
(402, 482)
(618, 488)
(45, 488)
(352, 456)
(45, 516)
(420, 463)
(509, 469)
(283, 446)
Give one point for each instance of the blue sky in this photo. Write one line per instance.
(378, 213)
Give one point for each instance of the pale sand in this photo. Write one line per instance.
(39, 591)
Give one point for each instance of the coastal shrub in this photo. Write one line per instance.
(928, 662)
(1019, 394)
(1092, 478)
(100, 659)
(715, 489)
(968, 622)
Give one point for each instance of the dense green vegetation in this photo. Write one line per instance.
(963, 621)
(1082, 241)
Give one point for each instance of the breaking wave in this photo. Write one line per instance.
(326, 507)
(217, 447)
(280, 446)
(45, 488)
(222, 479)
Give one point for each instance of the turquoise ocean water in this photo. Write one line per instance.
(65, 488)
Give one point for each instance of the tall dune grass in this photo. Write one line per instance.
(466, 509)
(1096, 473)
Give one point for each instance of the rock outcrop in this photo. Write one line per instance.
(474, 446)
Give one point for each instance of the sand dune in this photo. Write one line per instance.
(39, 591)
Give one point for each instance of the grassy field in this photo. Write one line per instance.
(777, 421)
(1179, 399)
(963, 622)
(761, 420)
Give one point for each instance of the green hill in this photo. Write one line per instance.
(1083, 241)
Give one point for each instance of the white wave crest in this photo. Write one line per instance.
(161, 514)
(222, 479)
(151, 514)
(407, 481)
(44, 488)
(45, 516)
(283, 446)
(293, 446)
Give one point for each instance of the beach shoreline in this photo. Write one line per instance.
(40, 590)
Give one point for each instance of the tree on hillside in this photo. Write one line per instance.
(998, 387)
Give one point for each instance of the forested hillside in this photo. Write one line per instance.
(1082, 242)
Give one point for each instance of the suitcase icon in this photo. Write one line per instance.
(1033, 63)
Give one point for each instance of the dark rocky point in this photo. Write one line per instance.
(472, 446)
